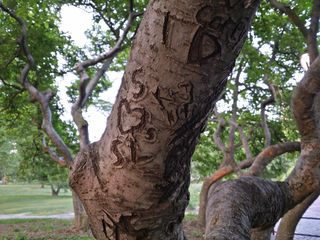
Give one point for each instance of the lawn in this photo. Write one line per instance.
(33, 200)
(58, 229)
(25, 229)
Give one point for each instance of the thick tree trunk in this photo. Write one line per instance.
(256, 203)
(134, 181)
(291, 219)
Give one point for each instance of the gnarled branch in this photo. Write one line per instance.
(42, 98)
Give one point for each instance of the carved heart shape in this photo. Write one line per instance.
(129, 119)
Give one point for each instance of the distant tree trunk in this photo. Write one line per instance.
(80, 216)
(55, 190)
(291, 219)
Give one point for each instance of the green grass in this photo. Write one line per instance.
(33, 200)
(25, 229)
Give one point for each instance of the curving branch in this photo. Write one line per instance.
(264, 123)
(268, 154)
(231, 146)
(217, 134)
(115, 50)
(87, 84)
(52, 153)
(255, 165)
(43, 98)
(271, 99)
(244, 140)
(312, 42)
(291, 219)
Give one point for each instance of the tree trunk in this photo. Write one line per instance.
(55, 191)
(291, 219)
(134, 181)
(80, 217)
(235, 207)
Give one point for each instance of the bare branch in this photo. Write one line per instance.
(313, 30)
(231, 146)
(217, 134)
(271, 99)
(244, 140)
(11, 85)
(264, 122)
(112, 53)
(87, 85)
(53, 155)
(268, 154)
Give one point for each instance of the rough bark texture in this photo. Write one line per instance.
(246, 204)
(256, 165)
(239, 196)
(134, 181)
(290, 221)
(80, 216)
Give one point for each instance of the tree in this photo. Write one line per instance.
(133, 182)
(138, 173)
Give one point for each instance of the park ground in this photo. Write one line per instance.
(20, 203)
(23, 208)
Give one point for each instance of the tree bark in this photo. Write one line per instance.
(256, 203)
(80, 216)
(291, 219)
(134, 181)
(55, 191)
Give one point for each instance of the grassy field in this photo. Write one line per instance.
(25, 229)
(33, 200)
(57, 229)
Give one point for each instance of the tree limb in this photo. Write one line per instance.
(42, 98)
(87, 85)
(53, 155)
(244, 141)
(217, 135)
(233, 201)
(268, 154)
(312, 42)
(112, 53)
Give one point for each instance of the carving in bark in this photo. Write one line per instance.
(176, 72)
(43, 98)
